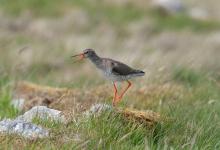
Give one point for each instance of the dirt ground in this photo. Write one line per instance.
(73, 102)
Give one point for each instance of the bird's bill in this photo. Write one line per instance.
(81, 56)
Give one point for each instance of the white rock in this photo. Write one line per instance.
(97, 109)
(199, 14)
(170, 6)
(25, 129)
(212, 101)
(18, 103)
(44, 113)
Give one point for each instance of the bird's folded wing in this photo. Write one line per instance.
(122, 69)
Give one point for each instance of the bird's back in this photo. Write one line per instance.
(118, 70)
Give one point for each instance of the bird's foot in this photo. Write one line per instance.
(116, 100)
(113, 103)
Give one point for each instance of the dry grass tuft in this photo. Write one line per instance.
(147, 117)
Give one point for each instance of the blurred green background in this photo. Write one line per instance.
(37, 37)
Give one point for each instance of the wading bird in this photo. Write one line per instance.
(112, 70)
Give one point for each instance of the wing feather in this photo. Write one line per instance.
(122, 69)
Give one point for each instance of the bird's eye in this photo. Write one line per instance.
(86, 52)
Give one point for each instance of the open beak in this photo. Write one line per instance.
(81, 56)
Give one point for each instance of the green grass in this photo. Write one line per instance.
(6, 110)
(182, 22)
(109, 130)
(36, 7)
(188, 76)
(98, 12)
(193, 122)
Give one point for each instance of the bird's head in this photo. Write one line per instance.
(85, 54)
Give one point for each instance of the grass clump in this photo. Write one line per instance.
(6, 109)
(110, 131)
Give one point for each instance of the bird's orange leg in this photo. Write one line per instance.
(122, 94)
(115, 94)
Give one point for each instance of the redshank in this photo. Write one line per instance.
(113, 70)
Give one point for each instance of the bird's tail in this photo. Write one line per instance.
(139, 73)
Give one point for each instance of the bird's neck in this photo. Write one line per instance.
(95, 59)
